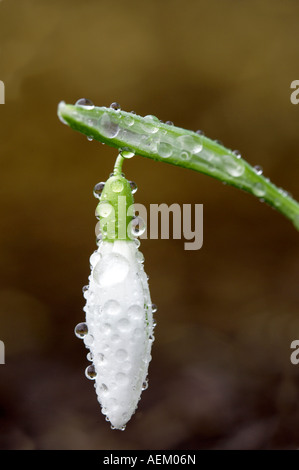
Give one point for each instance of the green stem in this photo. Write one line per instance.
(150, 138)
(118, 165)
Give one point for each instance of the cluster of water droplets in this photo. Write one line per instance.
(155, 137)
(119, 325)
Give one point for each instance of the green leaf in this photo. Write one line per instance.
(149, 137)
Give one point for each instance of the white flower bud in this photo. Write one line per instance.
(120, 328)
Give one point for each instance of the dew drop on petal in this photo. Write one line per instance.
(121, 378)
(89, 357)
(140, 257)
(111, 270)
(121, 355)
(137, 242)
(145, 385)
(111, 307)
(123, 324)
(81, 330)
(135, 312)
(90, 372)
(95, 257)
(154, 308)
(103, 388)
(169, 123)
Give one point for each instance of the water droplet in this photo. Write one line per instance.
(164, 149)
(90, 372)
(103, 388)
(237, 153)
(111, 307)
(121, 378)
(107, 419)
(99, 238)
(106, 328)
(200, 132)
(154, 308)
(90, 138)
(108, 128)
(81, 330)
(98, 189)
(115, 338)
(140, 257)
(115, 106)
(137, 242)
(104, 209)
(233, 167)
(128, 121)
(218, 142)
(137, 332)
(88, 340)
(117, 186)
(89, 357)
(135, 312)
(121, 355)
(84, 103)
(127, 153)
(122, 428)
(123, 324)
(95, 258)
(190, 143)
(258, 189)
(148, 124)
(185, 155)
(258, 169)
(85, 289)
(111, 270)
(145, 385)
(133, 186)
(137, 226)
(169, 123)
(100, 357)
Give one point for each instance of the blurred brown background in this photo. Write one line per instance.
(221, 376)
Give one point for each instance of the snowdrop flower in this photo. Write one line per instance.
(119, 323)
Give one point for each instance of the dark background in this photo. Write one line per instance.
(221, 376)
